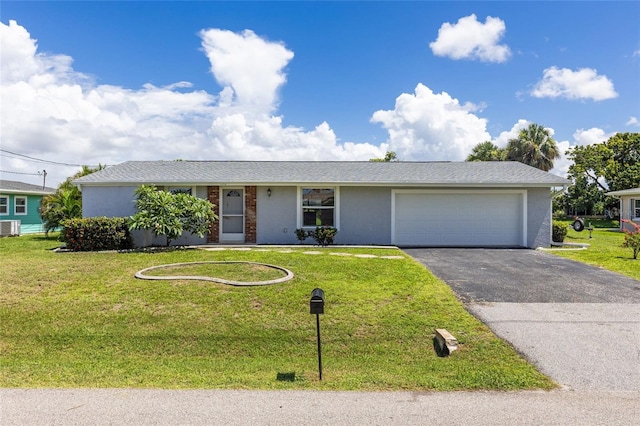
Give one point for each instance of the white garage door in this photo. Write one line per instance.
(458, 219)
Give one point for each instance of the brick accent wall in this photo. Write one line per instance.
(250, 204)
(213, 195)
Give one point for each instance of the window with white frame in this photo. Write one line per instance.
(4, 205)
(318, 207)
(635, 208)
(20, 205)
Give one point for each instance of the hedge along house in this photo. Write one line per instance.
(455, 204)
(629, 206)
(20, 207)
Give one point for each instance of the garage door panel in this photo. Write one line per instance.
(448, 219)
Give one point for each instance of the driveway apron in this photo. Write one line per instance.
(579, 324)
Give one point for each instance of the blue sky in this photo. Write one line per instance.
(106, 82)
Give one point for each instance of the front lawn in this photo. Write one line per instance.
(605, 251)
(83, 320)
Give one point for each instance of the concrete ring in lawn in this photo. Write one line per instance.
(141, 274)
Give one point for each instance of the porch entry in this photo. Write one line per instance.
(232, 215)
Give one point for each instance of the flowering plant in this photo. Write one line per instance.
(632, 238)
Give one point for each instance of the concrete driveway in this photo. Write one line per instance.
(578, 324)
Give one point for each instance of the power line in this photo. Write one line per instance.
(41, 160)
(21, 173)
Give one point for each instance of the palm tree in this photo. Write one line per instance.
(65, 203)
(486, 151)
(533, 146)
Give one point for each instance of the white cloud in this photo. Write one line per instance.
(584, 83)
(18, 53)
(249, 65)
(561, 165)
(633, 121)
(60, 115)
(503, 138)
(431, 126)
(471, 39)
(590, 136)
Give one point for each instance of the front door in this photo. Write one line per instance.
(232, 215)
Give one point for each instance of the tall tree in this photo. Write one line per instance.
(65, 203)
(534, 146)
(612, 165)
(584, 198)
(487, 151)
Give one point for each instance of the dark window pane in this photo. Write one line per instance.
(317, 217)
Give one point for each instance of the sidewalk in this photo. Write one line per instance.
(221, 407)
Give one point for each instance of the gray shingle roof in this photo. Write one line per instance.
(498, 173)
(13, 186)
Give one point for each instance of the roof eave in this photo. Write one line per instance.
(624, 192)
(334, 183)
(17, 191)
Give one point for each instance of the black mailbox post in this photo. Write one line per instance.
(316, 306)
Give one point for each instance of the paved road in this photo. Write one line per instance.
(216, 407)
(578, 324)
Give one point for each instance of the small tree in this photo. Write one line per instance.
(389, 157)
(169, 215)
(632, 238)
(65, 203)
(487, 151)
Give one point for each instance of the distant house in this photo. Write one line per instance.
(629, 206)
(455, 204)
(20, 207)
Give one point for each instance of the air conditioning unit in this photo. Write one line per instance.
(9, 228)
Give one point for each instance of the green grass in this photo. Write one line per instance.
(605, 251)
(242, 272)
(596, 222)
(83, 320)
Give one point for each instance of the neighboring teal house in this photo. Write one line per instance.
(20, 201)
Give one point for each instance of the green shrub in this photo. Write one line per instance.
(97, 233)
(323, 235)
(170, 214)
(559, 231)
(301, 234)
